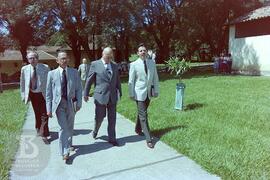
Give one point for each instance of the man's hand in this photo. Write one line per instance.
(49, 114)
(86, 98)
(77, 109)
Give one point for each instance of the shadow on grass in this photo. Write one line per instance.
(161, 132)
(193, 106)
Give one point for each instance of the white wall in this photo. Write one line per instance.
(250, 55)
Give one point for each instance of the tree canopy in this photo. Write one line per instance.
(169, 27)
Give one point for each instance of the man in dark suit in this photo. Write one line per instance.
(64, 97)
(104, 74)
(33, 81)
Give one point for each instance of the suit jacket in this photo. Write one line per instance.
(42, 72)
(53, 91)
(105, 88)
(141, 84)
(83, 71)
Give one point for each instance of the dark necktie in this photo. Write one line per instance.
(64, 84)
(34, 79)
(145, 66)
(109, 73)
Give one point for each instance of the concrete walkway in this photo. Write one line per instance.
(97, 159)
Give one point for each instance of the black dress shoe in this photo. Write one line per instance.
(94, 134)
(37, 132)
(150, 145)
(66, 157)
(72, 148)
(114, 143)
(45, 140)
(140, 133)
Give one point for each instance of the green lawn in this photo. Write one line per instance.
(12, 112)
(225, 126)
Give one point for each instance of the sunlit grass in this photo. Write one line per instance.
(224, 127)
(12, 113)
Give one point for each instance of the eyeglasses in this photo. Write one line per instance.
(142, 50)
(32, 58)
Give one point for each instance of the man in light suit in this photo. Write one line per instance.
(64, 97)
(104, 74)
(143, 84)
(33, 88)
(83, 71)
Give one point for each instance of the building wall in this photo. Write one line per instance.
(251, 55)
(9, 68)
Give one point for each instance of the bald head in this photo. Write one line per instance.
(107, 54)
(84, 61)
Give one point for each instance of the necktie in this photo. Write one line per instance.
(145, 66)
(64, 84)
(34, 79)
(109, 73)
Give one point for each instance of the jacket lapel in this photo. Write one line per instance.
(69, 80)
(105, 74)
(28, 75)
(58, 80)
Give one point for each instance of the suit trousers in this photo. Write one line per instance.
(65, 117)
(100, 113)
(142, 119)
(39, 106)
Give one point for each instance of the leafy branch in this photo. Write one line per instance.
(177, 66)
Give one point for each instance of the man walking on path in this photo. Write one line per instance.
(33, 88)
(143, 84)
(104, 74)
(64, 97)
(83, 71)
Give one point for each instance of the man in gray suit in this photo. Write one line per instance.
(33, 88)
(143, 84)
(104, 74)
(83, 71)
(64, 97)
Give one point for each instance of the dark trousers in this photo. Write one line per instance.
(100, 113)
(142, 119)
(39, 107)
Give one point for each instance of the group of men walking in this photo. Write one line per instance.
(60, 92)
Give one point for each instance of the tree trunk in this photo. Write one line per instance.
(163, 51)
(23, 50)
(126, 53)
(76, 50)
(85, 45)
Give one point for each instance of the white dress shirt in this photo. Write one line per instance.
(38, 89)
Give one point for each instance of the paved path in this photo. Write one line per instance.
(97, 159)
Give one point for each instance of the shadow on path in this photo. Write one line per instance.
(99, 146)
(76, 132)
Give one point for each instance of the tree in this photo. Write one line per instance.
(17, 24)
(158, 18)
(206, 22)
(77, 20)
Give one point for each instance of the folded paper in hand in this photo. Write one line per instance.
(118, 95)
(152, 91)
(74, 103)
